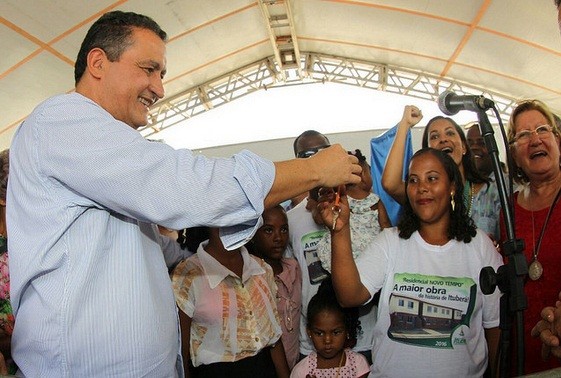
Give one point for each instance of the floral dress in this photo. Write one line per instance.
(6, 314)
(364, 227)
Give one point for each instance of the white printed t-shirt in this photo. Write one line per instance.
(304, 236)
(432, 313)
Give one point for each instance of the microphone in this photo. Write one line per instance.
(451, 103)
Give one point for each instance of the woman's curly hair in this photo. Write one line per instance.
(326, 300)
(462, 227)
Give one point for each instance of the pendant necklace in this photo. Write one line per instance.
(535, 270)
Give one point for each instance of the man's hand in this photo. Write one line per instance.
(334, 166)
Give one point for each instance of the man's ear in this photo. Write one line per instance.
(96, 60)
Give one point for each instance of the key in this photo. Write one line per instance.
(336, 210)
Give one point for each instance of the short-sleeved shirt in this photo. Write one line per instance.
(232, 317)
(289, 305)
(486, 209)
(432, 313)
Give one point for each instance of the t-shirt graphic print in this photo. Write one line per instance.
(431, 311)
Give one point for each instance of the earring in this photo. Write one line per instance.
(452, 202)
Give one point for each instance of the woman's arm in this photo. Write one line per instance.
(383, 217)
(392, 177)
(185, 325)
(279, 360)
(493, 336)
(344, 273)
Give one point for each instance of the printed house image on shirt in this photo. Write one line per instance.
(415, 321)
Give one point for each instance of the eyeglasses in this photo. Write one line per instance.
(523, 137)
(311, 151)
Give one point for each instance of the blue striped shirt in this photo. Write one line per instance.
(89, 272)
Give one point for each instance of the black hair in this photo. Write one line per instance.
(470, 171)
(251, 244)
(462, 227)
(4, 171)
(190, 238)
(358, 154)
(325, 300)
(305, 134)
(557, 3)
(111, 33)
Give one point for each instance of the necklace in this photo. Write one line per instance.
(340, 364)
(469, 195)
(535, 270)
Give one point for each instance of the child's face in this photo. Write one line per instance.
(328, 334)
(271, 239)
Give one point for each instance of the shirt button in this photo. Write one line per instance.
(257, 339)
(251, 313)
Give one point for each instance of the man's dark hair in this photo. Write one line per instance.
(111, 33)
(557, 3)
(305, 134)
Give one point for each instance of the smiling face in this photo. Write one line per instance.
(429, 189)
(443, 136)
(479, 150)
(271, 238)
(328, 334)
(538, 156)
(130, 85)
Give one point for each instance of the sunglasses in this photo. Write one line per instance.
(311, 151)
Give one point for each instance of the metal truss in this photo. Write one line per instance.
(313, 68)
(282, 34)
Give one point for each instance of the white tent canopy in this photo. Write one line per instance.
(221, 50)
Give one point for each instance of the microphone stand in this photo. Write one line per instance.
(509, 277)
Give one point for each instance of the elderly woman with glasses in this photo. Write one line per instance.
(534, 140)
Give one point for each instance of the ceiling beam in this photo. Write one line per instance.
(318, 68)
(282, 34)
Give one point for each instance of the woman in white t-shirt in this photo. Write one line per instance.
(433, 318)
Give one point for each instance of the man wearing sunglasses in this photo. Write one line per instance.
(305, 233)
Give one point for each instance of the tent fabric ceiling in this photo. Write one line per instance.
(509, 47)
